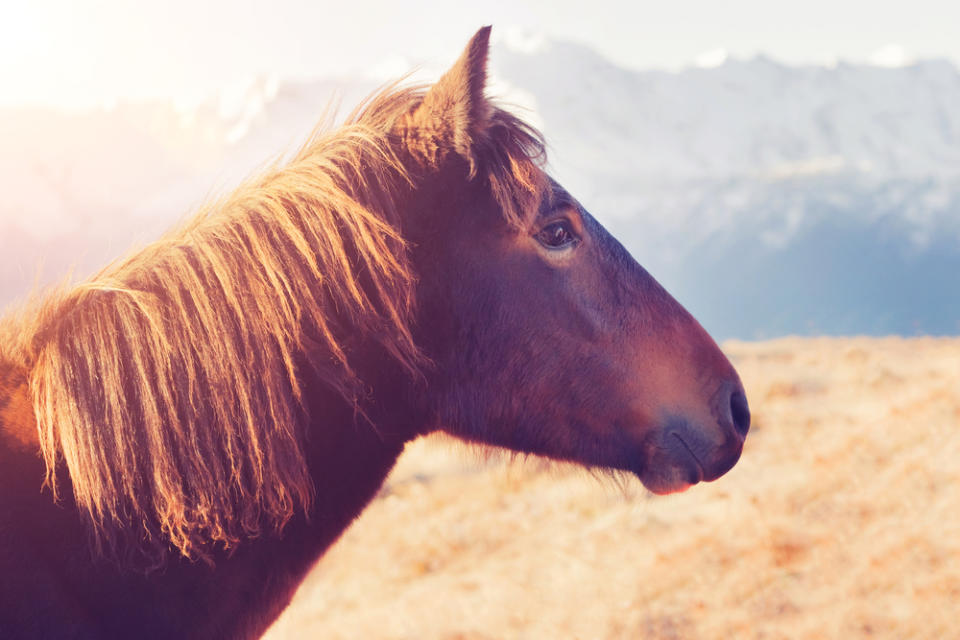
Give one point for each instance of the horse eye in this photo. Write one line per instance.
(556, 235)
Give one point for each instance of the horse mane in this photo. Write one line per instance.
(169, 384)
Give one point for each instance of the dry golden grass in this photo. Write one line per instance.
(842, 520)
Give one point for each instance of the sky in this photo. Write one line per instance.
(80, 53)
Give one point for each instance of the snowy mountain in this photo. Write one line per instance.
(769, 199)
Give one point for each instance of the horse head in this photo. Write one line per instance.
(546, 335)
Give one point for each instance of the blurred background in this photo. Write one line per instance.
(783, 169)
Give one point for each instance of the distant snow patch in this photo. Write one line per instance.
(891, 56)
(711, 59)
(810, 167)
(390, 67)
(521, 40)
(519, 101)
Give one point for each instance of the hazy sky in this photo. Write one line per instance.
(80, 52)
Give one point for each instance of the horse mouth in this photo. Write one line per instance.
(671, 466)
(696, 471)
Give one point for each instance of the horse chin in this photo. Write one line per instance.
(673, 478)
(671, 466)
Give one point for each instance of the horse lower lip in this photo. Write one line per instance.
(698, 477)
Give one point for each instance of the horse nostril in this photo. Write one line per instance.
(740, 412)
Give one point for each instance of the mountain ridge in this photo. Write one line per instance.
(749, 162)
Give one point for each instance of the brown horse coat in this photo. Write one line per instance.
(184, 434)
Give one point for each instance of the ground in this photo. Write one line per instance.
(842, 520)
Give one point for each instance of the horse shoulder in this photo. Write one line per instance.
(53, 587)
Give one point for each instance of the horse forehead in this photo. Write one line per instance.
(559, 196)
(606, 241)
(557, 193)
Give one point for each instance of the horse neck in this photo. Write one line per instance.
(349, 460)
(390, 413)
(351, 450)
(17, 421)
(349, 463)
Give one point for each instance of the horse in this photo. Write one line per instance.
(186, 432)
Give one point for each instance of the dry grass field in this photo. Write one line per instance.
(842, 520)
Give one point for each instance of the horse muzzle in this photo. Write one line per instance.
(683, 452)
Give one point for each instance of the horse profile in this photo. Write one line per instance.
(184, 434)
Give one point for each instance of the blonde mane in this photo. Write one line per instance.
(169, 384)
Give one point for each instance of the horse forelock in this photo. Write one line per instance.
(169, 383)
(512, 156)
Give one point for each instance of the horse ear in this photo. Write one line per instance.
(454, 112)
